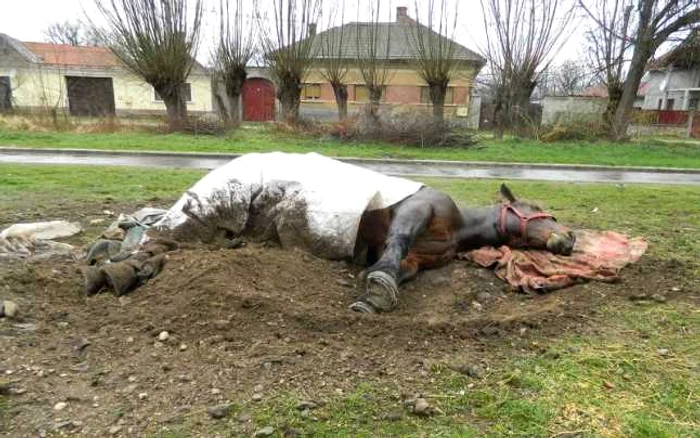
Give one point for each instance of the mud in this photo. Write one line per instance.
(264, 316)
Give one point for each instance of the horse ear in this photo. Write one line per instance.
(506, 193)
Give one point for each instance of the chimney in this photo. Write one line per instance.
(312, 29)
(402, 15)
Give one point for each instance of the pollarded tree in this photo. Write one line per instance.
(332, 48)
(234, 49)
(523, 37)
(287, 37)
(373, 44)
(435, 52)
(157, 40)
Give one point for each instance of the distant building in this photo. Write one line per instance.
(674, 78)
(404, 87)
(83, 81)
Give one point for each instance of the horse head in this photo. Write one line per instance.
(526, 225)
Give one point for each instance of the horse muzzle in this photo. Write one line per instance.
(561, 243)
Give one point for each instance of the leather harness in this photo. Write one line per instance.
(524, 219)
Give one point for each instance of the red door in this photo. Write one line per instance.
(258, 100)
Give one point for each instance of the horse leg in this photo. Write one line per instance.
(381, 283)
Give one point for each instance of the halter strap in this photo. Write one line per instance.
(524, 219)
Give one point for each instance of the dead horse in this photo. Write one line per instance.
(426, 230)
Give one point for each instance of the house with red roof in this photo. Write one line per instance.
(84, 81)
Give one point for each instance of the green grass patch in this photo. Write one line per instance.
(639, 378)
(261, 138)
(668, 216)
(638, 375)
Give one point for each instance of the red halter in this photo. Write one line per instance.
(523, 221)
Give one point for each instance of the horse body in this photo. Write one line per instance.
(427, 229)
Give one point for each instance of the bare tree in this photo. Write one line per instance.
(73, 33)
(567, 79)
(373, 40)
(157, 40)
(651, 23)
(235, 48)
(436, 51)
(287, 38)
(523, 38)
(608, 47)
(332, 48)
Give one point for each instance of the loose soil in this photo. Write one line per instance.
(261, 316)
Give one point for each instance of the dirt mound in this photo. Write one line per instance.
(257, 316)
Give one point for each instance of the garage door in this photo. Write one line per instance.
(5, 93)
(90, 96)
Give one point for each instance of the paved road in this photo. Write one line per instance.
(452, 169)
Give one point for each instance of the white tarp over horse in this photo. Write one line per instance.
(305, 200)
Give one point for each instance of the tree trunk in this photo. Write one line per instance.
(234, 110)
(289, 95)
(614, 96)
(341, 99)
(640, 57)
(437, 96)
(375, 98)
(498, 122)
(176, 111)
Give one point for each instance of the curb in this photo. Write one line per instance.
(388, 161)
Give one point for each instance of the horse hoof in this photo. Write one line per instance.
(362, 307)
(94, 280)
(381, 291)
(120, 276)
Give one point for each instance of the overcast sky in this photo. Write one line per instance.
(26, 20)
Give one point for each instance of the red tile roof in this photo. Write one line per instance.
(66, 55)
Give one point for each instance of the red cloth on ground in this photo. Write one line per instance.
(598, 255)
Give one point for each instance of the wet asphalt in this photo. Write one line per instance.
(405, 168)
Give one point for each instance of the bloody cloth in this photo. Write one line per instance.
(598, 255)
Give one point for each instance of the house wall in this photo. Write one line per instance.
(571, 109)
(133, 95)
(44, 87)
(676, 81)
(403, 90)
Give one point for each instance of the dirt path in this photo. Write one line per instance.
(251, 323)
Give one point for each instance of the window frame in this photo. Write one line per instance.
(425, 95)
(306, 86)
(366, 99)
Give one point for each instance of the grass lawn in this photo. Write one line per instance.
(610, 382)
(258, 138)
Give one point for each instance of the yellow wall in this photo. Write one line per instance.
(396, 76)
(45, 87)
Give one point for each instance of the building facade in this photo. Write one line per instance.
(673, 80)
(404, 89)
(84, 81)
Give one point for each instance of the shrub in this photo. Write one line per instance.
(581, 131)
(406, 128)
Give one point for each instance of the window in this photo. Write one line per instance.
(186, 93)
(693, 103)
(425, 95)
(362, 93)
(5, 93)
(670, 103)
(311, 91)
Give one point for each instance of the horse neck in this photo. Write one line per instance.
(479, 227)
